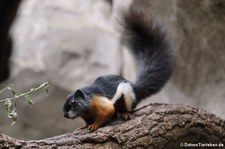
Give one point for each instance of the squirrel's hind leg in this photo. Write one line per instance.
(124, 99)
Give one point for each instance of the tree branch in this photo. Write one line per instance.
(154, 126)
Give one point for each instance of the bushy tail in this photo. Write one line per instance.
(152, 50)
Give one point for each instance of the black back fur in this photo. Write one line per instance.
(104, 85)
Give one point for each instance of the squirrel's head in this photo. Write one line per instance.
(75, 102)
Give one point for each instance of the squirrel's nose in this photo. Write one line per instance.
(66, 115)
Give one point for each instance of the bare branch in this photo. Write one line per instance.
(156, 126)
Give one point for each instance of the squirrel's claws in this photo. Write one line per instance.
(126, 116)
(83, 127)
(93, 127)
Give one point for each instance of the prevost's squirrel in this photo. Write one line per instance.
(111, 95)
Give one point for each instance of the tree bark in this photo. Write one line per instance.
(154, 126)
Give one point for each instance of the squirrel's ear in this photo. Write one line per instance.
(79, 93)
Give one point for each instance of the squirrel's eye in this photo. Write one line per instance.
(73, 102)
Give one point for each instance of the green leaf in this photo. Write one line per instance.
(46, 87)
(29, 100)
(12, 90)
(47, 90)
(13, 116)
(13, 123)
(8, 105)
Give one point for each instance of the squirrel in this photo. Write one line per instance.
(112, 95)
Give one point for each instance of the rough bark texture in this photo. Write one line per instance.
(154, 126)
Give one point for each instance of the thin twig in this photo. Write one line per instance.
(23, 94)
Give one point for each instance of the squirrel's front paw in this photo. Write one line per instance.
(93, 127)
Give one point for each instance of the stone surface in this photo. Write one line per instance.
(201, 58)
(68, 44)
(65, 44)
(197, 29)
